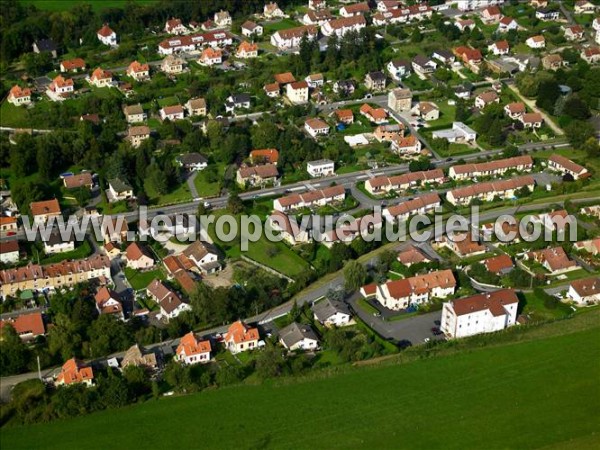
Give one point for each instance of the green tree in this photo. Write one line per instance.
(355, 276)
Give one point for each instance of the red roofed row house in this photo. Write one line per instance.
(488, 191)
(310, 199)
(566, 166)
(290, 38)
(418, 290)
(420, 205)
(402, 15)
(380, 185)
(340, 27)
(482, 313)
(491, 168)
(52, 276)
(192, 42)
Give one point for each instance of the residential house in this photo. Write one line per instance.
(459, 133)
(111, 250)
(481, 313)
(298, 337)
(488, 191)
(222, 19)
(553, 61)
(45, 46)
(423, 66)
(211, 57)
(400, 99)
(444, 56)
(247, 50)
(72, 65)
(284, 78)
(515, 110)
(591, 55)
(566, 166)
(174, 26)
(547, 14)
(119, 190)
(138, 71)
(407, 145)
(536, 42)
(174, 112)
(297, 92)
(316, 127)
(555, 260)
(592, 246)
(398, 69)
(272, 89)
(196, 107)
(109, 302)
(389, 132)
(584, 7)
(317, 18)
(310, 199)
(465, 24)
(332, 313)
(532, 120)
(427, 111)
(288, 228)
(411, 255)
(320, 168)
(115, 230)
(27, 326)
(56, 244)
(491, 14)
(137, 356)
(344, 87)
(290, 38)
(138, 257)
(585, 291)
(8, 224)
(486, 98)
(138, 134)
(9, 252)
(250, 29)
(19, 96)
(264, 156)
(491, 168)
(101, 78)
(251, 176)
(52, 276)
(375, 81)
(423, 204)
(315, 80)
(43, 210)
(170, 303)
(172, 65)
(107, 36)
(272, 11)
(240, 338)
(316, 5)
(388, 5)
(192, 161)
(499, 265)
(237, 101)
(506, 24)
(134, 113)
(462, 245)
(385, 184)
(471, 57)
(60, 89)
(375, 115)
(414, 291)
(355, 9)
(499, 48)
(340, 27)
(195, 42)
(192, 350)
(574, 33)
(75, 372)
(204, 256)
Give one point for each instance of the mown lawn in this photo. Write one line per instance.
(139, 280)
(537, 390)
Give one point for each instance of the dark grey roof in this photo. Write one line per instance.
(240, 98)
(377, 76)
(446, 54)
(294, 333)
(55, 238)
(421, 60)
(327, 308)
(119, 185)
(192, 158)
(45, 45)
(401, 63)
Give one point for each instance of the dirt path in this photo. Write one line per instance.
(531, 104)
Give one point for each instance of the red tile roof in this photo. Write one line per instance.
(27, 324)
(239, 332)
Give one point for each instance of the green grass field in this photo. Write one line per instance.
(97, 5)
(139, 280)
(535, 388)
